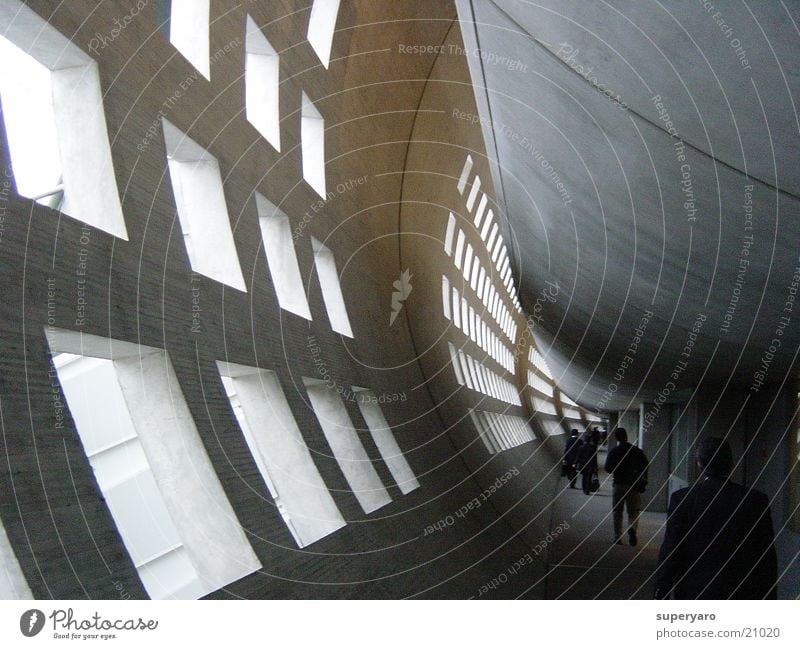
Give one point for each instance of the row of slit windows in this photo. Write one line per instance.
(476, 376)
(501, 432)
(58, 141)
(456, 308)
(489, 230)
(158, 481)
(555, 411)
(465, 260)
(498, 432)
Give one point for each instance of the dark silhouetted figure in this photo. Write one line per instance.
(628, 464)
(571, 448)
(719, 540)
(586, 462)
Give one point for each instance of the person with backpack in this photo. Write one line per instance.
(628, 464)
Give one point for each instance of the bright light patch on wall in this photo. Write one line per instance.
(462, 181)
(188, 30)
(331, 288)
(203, 214)
(486, 225)
(446, 297)
(55, 122)
(13, 584)
(312, 143)
(346, 446)
(384, 439)
(321, 27)
(280, 452)
(151, 466)
(276, 231)
(459, 249)
(448, 237)
(479, 212)
(473, 194)
(262, 83)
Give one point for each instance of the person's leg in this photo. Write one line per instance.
(633, 503)
(617, 503)
(573, 477)
(586, 481)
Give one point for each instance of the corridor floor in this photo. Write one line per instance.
(584, 561)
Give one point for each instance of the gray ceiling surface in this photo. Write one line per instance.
(646, 162)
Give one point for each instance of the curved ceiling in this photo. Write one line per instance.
(646, 159)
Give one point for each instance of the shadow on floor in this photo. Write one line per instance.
(584, 561)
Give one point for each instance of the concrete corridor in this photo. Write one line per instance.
(584, 561)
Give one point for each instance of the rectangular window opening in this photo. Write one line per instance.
(186, 24)
(151, 465)
(331, 288)
(321, 27)
(276, 231)
(312, 144)
(346, 446)
(55, 121)
(384, 439)
(280, 452)
(262, 83)
(202, 211)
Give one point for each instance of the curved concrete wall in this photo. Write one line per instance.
(381, 217)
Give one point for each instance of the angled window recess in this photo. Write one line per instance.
(261, 82)
(276, 230)
(346, 446)
(321, 26)
(331, 289)
(280, 452)
(385, 441)
(462, 181)
(55, 124)
(151, 466)
(186, 24)
(12, 582)
(312, 144)
(448, 238)
(203, 214)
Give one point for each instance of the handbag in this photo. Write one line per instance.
(595, 483)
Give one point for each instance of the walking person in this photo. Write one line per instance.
(628, 464)
(719, 542)
(586, 463)
(571, 448)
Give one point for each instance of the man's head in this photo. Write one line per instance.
(573, 432)
(621, 435)
(714, 457)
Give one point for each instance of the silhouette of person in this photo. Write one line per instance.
(719, 539)
(571, 447)
(586, 462)
(628, 464)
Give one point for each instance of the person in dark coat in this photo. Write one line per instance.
(571, 448)
(719, 542)
(586, 462)
(628, 464)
